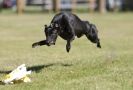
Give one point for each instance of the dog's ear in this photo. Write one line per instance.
(45, 26)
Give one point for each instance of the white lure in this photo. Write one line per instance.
(17, 75)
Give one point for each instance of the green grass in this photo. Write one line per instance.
(84, 68)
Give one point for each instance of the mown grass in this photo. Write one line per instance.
(84, 68)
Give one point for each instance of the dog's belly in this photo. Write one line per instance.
(66, 36)
(79, 32)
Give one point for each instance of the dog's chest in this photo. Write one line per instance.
(65, 35)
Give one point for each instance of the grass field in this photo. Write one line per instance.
(84, 68)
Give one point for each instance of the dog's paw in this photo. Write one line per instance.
(34, 45)
(98, 45)
(68, 50)
(68, 47)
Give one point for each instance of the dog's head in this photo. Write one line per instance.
(51, 33)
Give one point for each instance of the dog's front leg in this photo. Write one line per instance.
(40, 43)
(68, 46)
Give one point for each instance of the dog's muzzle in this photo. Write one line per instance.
(50, 43)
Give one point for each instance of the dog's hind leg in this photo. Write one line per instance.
(94, 39)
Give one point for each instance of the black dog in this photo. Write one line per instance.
(67, 26)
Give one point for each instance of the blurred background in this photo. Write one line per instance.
(85, 67)
(103, 6)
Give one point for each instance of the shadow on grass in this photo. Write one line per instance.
(38, 68)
